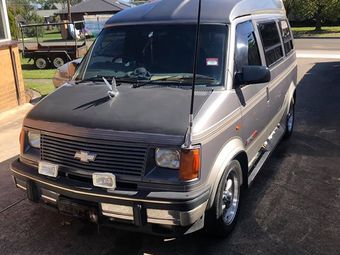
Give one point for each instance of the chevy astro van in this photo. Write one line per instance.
(115, 144)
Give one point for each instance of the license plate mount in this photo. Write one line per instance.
(75, 209)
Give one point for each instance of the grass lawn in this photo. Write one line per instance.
(38, 80)
(310, 32)
(29, 71)
(49, 35)
(52, 35)
(44, 88)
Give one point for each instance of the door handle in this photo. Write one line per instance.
(268, 97)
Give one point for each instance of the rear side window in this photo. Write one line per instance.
(271, 42)
(247, 51)
(287, 37)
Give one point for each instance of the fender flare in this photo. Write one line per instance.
(230, 150)
(291, 95)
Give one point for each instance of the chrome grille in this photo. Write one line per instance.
(117, 158)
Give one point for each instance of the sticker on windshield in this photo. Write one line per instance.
(212, 61)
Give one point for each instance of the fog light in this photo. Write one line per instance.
(104, 180)
(48, 169)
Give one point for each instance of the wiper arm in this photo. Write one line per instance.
(94, 78)
(182, 79)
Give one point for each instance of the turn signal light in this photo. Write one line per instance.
(22, 141)
(190, 164)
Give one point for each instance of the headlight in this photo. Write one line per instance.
(34, 139)
(168, 158)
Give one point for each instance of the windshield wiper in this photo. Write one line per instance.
(178, 79)
(95, 78)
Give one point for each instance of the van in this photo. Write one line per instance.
(117, 144)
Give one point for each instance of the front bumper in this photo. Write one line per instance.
(144, 210)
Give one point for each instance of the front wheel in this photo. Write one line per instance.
(222, 217)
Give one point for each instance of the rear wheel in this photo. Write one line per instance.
(58, 62)
(41, 63)
(290, 121)
(222, 217)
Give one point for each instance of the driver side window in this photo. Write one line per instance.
(247, 50)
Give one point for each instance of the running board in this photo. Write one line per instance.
(267, 149)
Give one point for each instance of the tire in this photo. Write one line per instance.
(40, 63)
(58, 62)
(222, 217)
(290, 121)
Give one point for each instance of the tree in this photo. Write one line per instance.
(289, 5)
(25, 10)
(69, 15)
(318, 10)
(67, 3)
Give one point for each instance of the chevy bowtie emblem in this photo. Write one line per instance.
(85, 156)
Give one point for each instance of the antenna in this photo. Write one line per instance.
(188, 138)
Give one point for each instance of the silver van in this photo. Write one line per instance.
(121, 148)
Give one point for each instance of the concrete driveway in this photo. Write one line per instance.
(293, 207)
(10, 127)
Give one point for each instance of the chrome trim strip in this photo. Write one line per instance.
(118, 216)
(21, 187)
(224, 124)
(208, 134)
(49, 198)
(163, 217)
(262, 93)
(90, 193)
(117, 211)
(169, 217)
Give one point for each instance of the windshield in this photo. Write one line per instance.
(158, 52)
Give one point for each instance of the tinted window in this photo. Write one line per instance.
(286, 36)
(247, 51)
(160, 51)
(271, 42)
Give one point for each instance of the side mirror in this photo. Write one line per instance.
(65, 73)
(255, 74)
(72, 68)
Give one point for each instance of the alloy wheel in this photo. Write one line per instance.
(231, 197)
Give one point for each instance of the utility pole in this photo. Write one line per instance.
(69, 16)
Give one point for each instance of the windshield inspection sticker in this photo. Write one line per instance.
(212, 61)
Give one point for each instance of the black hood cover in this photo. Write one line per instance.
(157, 110)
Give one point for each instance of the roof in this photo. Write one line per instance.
(213, 11)
(97, 6)
(46, 13)
(58, 6)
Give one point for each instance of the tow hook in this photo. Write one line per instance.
(93, 217)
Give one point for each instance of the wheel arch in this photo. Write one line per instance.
(242, 158)
(291, 95)
(232, 150)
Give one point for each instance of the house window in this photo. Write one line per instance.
(4, 24)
